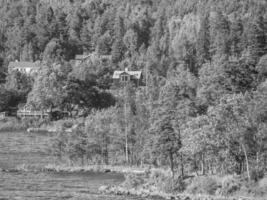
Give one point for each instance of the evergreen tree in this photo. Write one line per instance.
(203, 41)
(220, 35)
(236, 32)
(87, 36)
(256, 38)
(104, 44)
(118, 47)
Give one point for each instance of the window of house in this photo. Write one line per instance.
(125, 78)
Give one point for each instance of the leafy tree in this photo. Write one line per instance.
(83, 94)
(20, 83)
(47, 91)
(213, 82)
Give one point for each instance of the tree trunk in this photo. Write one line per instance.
(257, 160)
(203, 164)
(171, 163)
(182, 165)
(246, 156)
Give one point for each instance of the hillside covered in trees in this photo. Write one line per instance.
(204, 106)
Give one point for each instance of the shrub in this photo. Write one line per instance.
(165, 182)
(12, 124)
(133, 181)
(263, 183)
(172, 185)
(255, 189)
(157, 177)
(230, 185)
(203, 185)
(256, 175)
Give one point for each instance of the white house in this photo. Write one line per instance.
(24, 66)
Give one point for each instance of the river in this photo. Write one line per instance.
(19, 148)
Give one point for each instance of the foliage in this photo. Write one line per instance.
(203, 185)
(133, 181)
(203, 107)
(230, 185)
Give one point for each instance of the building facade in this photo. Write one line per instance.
(24, 67)
(121, 78)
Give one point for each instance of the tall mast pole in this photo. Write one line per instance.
(126, 126)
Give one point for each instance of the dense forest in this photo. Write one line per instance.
(204, 104)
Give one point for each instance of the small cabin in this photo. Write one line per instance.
(121, 78)
(91, 58)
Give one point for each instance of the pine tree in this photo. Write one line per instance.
(219, 35)
(165, 141)
(236, 32)
(256, 38)
(118, 47)
(203, 41)
(87, 36)
(104, 44)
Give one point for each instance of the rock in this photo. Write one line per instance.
(107, 170)
(187, 198)
(39, 130)
(10, 170)
(103, 189)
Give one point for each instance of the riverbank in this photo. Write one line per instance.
(157, 183)
(57, 168)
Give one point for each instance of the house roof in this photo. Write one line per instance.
(23, 64)
(83, 57)
(136, 74)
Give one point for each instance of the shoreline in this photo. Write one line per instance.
(143, 191)
(146, 193)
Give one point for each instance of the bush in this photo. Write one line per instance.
(133, 181)
(258, 189)
(203, 185)
(172, 185)
(230, 185)
(256, 175)
(263, 183)
(165, 182)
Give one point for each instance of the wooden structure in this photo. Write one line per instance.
(25, 113)
(120, 78)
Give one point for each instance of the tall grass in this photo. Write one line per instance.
(12, 124)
